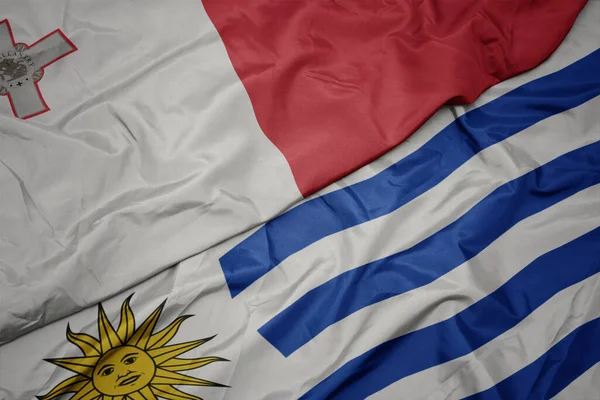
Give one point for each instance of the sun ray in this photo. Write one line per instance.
(164, 377)
(180, 364)
(166, 353)
(170, 393)
(88, 392)
(163, 337)
(88, 345)
(127, 323)
(148, 393)
(69, 385)
(93, 395)
(112, 397)
(108, 336)
(135, 396)
(80, 365)
(142, 334)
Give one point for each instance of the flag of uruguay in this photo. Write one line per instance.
(463, 264)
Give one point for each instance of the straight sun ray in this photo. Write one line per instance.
(142, 334)
(164, 377)
(135, 396)
(108, 336)
(163, 337)
(93, 395)
(170, 393)
(88, 392)
(166, 353)
(80, 365)
(148, 393)
(179, 364)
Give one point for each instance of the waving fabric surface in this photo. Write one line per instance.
(158, 240)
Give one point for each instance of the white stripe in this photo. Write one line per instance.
(435, 302)
(581, 41)
(430, 212)
(585, 387)
(508, 353)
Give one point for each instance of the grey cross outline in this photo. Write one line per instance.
(26, 100)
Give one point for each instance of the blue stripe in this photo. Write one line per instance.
(467, 330)
(411, 176)
(554, 371)
(438, 254)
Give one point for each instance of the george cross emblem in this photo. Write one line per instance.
(22, 66)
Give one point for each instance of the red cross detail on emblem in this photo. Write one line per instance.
(22, 67)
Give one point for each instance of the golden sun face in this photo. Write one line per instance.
(123, 370)
(130, 363)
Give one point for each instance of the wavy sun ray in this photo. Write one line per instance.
(69, 385)
(127, 323)
(128, 363)
(87, 344)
